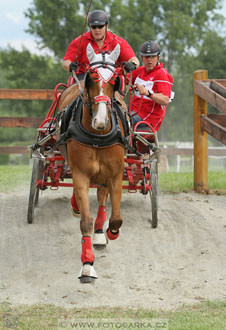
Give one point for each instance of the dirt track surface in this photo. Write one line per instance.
(180, 262)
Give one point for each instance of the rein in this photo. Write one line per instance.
(76, 57)
(83, 29)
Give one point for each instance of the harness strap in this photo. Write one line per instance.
(102, 98)
(78, 82)
(102, 63)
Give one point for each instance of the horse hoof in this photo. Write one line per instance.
(87, 274)
(99, 247)
(99, 241)
(112, 235)
(75, 213)
(87, 279)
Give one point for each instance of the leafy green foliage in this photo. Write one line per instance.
(25, 70)
(183, 25)
(54, 23)
(57, 23)
(177, 25)
(135, 20)
(212, 53)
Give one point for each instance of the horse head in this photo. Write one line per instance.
(100, 84)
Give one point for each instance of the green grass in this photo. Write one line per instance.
(205, 316)
(13, 176)
(183, 182)
(175, 182)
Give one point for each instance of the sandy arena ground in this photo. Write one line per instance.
(180, 262)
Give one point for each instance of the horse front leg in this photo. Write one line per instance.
(81, 188)
(99, 238)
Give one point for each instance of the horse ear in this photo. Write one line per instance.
(115, 53)
(90, 53)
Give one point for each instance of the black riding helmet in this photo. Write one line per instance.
(150, 48)
(97, 17)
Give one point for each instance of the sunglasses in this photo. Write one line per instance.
(94, 27)
(150, 56)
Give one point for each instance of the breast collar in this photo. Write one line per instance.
(78, 133)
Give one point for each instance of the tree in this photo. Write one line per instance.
(56, 23)
(25, 70)
(184, 29)
(178, 25)
(135, 20)
(211, 57)
(212, 54)
(183, 25)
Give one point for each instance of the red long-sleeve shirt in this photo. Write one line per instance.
(78, 53)
(158, 80)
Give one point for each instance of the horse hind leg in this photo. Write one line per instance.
(99, 237)
(74, 206)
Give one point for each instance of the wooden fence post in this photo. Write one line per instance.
(200, 138)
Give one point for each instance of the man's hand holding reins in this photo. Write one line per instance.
(73, 66)
(129, 66)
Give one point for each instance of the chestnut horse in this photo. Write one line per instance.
(91, 164)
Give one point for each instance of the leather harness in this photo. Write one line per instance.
(75, 131)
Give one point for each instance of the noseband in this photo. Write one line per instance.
(98, 99)
(102, 98)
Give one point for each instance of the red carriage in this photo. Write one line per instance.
(133, 159)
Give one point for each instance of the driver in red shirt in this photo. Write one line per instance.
(101, 40)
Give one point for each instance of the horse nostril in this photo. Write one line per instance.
(101, 126)
(98, 126)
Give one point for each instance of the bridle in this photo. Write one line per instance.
(92, 69)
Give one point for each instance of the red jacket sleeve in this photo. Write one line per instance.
(72, 50)
(164, 83)
(126, 51)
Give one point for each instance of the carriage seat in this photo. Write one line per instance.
(146, 132)
(151, 135)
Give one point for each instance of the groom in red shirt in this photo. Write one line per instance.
(153, 86)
